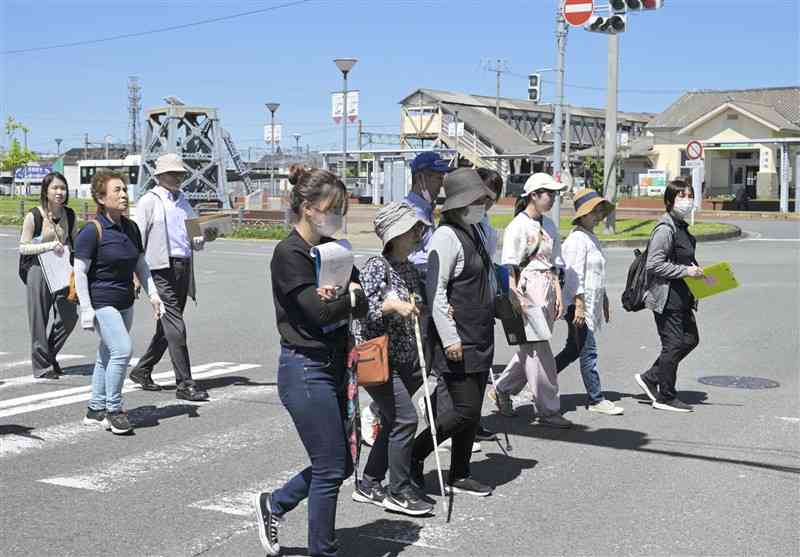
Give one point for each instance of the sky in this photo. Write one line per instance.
(283, 52)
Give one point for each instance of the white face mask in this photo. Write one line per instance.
(683, 207)
(327, 224)
(474, 214)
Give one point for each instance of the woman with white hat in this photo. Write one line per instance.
(459, 275)
(532, 247)
(391, 282)
(585, 296)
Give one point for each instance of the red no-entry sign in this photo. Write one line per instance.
(694, 150)
(577, 12)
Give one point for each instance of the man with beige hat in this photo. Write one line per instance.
(161, 214)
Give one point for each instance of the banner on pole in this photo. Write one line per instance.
(267, 136)
(337, 106)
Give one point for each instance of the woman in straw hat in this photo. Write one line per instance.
(532, 247)
(391, 282)
(585, 296)
(459, 275)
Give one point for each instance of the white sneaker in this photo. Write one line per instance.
(447, 445)
(606, 407)
(556, 420)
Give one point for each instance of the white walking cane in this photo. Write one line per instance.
(429, 408)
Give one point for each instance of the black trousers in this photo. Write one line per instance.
(459, 422)
(679, 336)
(173, 288)
(393, 446)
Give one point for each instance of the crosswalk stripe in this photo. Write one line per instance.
(126, 471)
(6, 382)
(129, 386)
(87, 388)
(240, 503)
(56, 436)
(18, 363)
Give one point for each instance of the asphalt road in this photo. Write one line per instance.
(720, 481)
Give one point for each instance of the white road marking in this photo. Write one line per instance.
(84, 393)
(71, 433)
(771, 240)
(30, 379)
(87, 388)
(18, 363)
(4, 353)
(789, 419)
(240, 503)
(126, 471)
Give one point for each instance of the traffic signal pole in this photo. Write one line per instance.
(609, 161)
(558, 116)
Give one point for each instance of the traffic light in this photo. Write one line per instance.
(622, 6)
(610, 25)
(652, 4)
(534, 87)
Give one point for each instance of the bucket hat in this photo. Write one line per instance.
(462, 188)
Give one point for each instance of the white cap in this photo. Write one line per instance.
(541, 181)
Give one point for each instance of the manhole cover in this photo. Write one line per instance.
(739, 382)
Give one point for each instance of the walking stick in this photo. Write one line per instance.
(429, 408)
(508, 448)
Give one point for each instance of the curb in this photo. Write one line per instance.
(640, 243)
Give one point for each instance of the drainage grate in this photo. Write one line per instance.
(739, 382)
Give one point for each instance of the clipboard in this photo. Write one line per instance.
(56, 269)
(719, 278)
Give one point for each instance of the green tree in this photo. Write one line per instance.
(17, 155)
(596, 173)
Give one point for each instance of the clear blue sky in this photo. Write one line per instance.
(286, 56)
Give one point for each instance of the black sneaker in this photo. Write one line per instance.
(94, 417)
(418, 474)
(57, 369)
(117, 422)
(51, 374)
(144, 380)
(407, 503)
(673, 405)
(424, 496)
(267, 523)
(484, 434)
(650, 388)
(191, 393)
(369, 493)
(470, 487)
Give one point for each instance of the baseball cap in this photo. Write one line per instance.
(430, 160)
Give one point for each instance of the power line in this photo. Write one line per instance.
(595, 88)
(159, 30)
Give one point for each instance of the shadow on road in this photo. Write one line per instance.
(19, 430)
(383, 537)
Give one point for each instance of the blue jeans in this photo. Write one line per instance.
(112, 326)
(313, 391)
(581, 344)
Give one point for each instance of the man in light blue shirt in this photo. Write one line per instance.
(427, 176)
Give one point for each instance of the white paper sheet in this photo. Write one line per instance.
(334, 264)
(56, 269)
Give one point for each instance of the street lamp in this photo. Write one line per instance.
(58, 141)
(297, 141)
(344, 65)
(272, 107)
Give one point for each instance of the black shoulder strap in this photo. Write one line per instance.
(38, 221)
(70, 224)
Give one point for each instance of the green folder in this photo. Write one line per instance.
(719, 278)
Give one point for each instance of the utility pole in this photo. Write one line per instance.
(499, 67)
(558, 123)
(344, 65)
(568, 141)
(272, 107)
(297, 142)
(610, 158)
(456, 133)
(85, 146)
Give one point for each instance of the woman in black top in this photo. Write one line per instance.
(311, 370)
(670, 258)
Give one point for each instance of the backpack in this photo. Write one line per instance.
(27, 261)
(636, 284)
